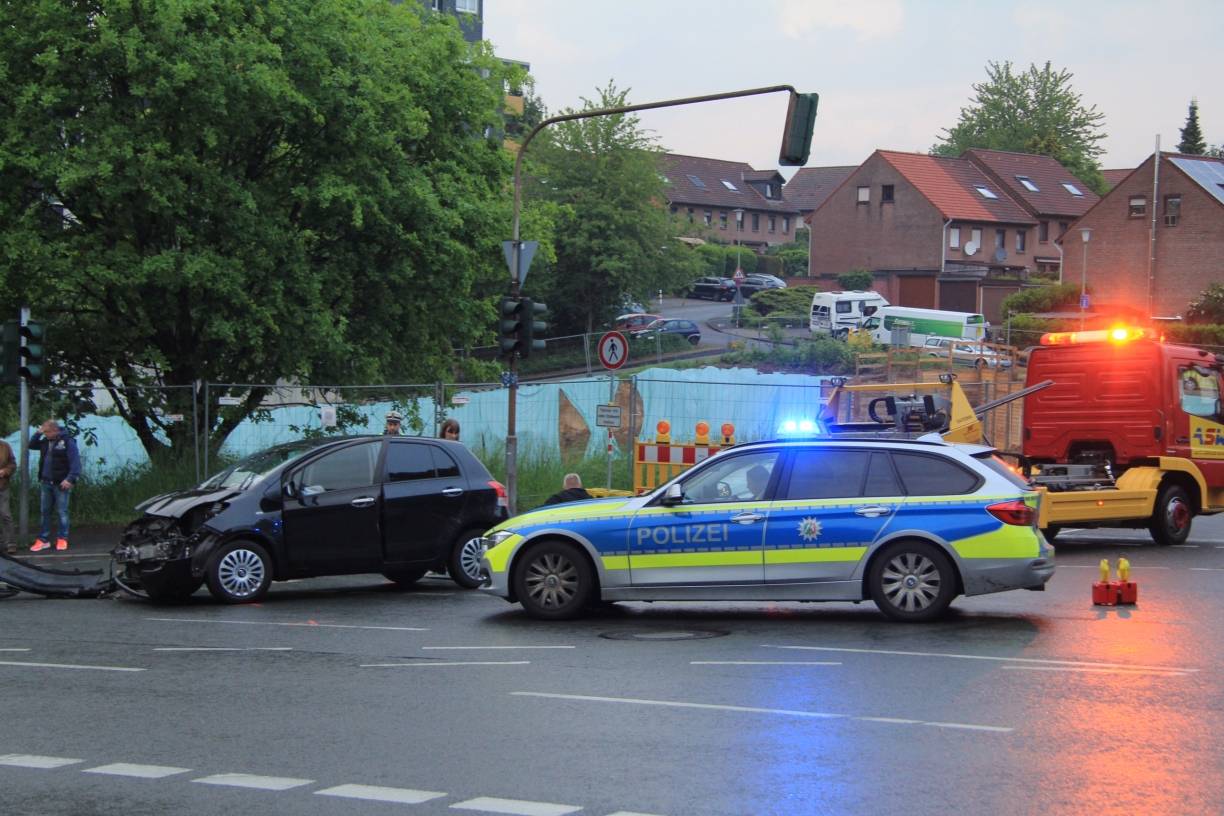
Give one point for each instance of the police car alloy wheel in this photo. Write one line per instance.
(553, 580)
(240, 572)
(912, 581)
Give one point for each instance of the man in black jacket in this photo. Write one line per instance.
(572, 491)
(59, 468)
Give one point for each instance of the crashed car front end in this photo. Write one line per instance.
(165, 556)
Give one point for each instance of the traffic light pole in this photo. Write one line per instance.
(23, 489)
(516, 268)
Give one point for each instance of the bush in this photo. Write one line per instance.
(795, 300)
(792, 257)
(855, 280)
(820, 356)
(1208, 307)
(1201, 334)
(1041, 299)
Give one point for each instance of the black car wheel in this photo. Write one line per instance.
(553, 581)
(694, 339)
(463, 566)
(406, 577)
(240, 572)
(912, 581)
(166, 589)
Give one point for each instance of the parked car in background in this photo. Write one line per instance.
(400, 506)
(628, 304)
(966, 354)
(684, 328)
(712, 288)
(759, 281)
(630, 322)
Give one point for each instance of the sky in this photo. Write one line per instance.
(891, 74)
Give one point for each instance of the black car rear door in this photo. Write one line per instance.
(332, 513)
(425, 495)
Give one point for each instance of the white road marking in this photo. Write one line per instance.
(515, 807)
(292, 623)
(461, 648)
(137, 771)
(35, 761)
(239, 780)
(69, 666)
(1099, 671)
(446, 663)
(375, 793)
(823, 715)
(967, 727)
(223, 649)
(1033, 660)
(1206, 569)
(763, 663)
(14, 650)
(1183, 546)
(631, 813)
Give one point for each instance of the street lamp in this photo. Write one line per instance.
(1086, 234)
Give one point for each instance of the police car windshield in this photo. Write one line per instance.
(1000, 466)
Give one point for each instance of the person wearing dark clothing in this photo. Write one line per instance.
(572, 491)
(59, 469)
(8, 466)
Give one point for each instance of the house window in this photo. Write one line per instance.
(756, 222)
(1000, 239)
(722, 219)
(674, 209)
(1028, 184)
(1172, 210)
(786, 223)
(729, 186)
(768, 190)
(1137, 207)
(886, 194)
(739, 220)
(954, 238)
(975, 238)
(690, 214)
(986, 192)
(864, 195)
(1043, 232)
(1072, 189)
(709, 217)
(1062, 228)
(1021, 240)
(773, 223)
(696, 181)
(436, 5)
(467, 6)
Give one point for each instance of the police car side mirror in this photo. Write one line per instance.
(673, 496)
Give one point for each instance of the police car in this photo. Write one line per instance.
(907, 524)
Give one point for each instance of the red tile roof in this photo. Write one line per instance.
(680, 171)
(808, 188)
(949, 184)
(1114, 177)
(1052, 199)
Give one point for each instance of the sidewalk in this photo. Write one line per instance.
(87, 546)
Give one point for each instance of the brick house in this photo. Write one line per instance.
(810, 186)
(731, 201)
(933, 230)
(1188, 206)
(1046, 190)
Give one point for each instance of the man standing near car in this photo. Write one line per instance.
(8, 466)
(59, 468)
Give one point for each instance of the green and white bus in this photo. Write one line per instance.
(903, 326)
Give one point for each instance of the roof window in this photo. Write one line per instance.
(1028, 184)
(986, 192)
(1071, 188)
(729, 186)
(696, 181)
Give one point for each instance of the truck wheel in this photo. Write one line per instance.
(1051, 532)
(463, 566)
(553, 581)
(912, 581)
(1172, 516)
(240, 572)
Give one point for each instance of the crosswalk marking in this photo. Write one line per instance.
(403, 796)
(137, 771)
(35, 761)
(515, 807)
(240, 780)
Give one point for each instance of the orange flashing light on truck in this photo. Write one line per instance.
(1131, 434)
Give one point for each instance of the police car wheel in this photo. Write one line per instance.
(553, 581)
(463, 565)
(912, 581)
(1172, 516)
(240, 572)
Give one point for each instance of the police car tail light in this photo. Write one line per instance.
(1012, 512)
(503, 499)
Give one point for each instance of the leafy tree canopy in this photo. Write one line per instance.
(243, 191)
(1192, 142)
(1034, 111)
(1208, 307)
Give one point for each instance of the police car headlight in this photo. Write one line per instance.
(498, 538)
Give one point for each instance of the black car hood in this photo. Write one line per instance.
(176, 505)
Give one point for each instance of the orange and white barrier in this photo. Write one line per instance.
(660, 460)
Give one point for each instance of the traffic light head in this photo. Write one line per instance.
(797, 132)
(10, 353)
(509, 322)
(33, 351)
(530, 329)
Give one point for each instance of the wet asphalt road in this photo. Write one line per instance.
(445, 701)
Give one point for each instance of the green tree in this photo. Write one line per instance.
(242, 191)
(1208, 307)
(856, 280)
(615, 235)
(1191, 135)
(793, 257)
(1034, 111)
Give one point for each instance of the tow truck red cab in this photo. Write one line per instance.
(1131, 433)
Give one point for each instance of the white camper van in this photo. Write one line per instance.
(903, 326)
(838, 313)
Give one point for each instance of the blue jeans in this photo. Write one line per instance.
(53, 494)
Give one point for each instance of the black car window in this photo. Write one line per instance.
(407, 461)
(346, 468)
(827, 474)
(446, 465)
(925, 475)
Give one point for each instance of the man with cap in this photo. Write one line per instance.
(394, 420)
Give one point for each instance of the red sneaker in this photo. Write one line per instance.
(40, 545)
(61, 544)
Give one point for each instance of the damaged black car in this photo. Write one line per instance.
(399, 506)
